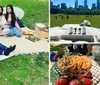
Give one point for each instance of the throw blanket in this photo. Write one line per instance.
(23, 46)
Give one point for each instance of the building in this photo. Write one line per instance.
(98, 4)
(63, 6)
(93, 6)
(51, 4)
(54, 6)
(85, 4)
(76, 4)
(81, 6)
(58, 6)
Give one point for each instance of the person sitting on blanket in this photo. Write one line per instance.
(12, 21)
(4, 28)
(84, 49)
(4, 50)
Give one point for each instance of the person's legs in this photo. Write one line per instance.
(70, 47)
(89, 47)
(1, 51)
(11, 33)
(16, 32)
(9, 50)
(3, 47)
(5, 32)
(5, 50)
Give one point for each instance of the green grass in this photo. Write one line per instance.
(53, 75)
(35, 10)
(73, 19)
(25, 70)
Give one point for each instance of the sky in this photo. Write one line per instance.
(72, 2)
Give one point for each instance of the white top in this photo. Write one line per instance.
(2, 20)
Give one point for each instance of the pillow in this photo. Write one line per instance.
(52, 54)
(20, 23)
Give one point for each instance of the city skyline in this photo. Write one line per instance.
(98, 4)
(72, 2)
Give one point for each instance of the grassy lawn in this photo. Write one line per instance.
(73, 19)
(54, 76)
(35, 10)
(25, 70)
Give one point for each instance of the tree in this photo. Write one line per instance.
(87, 12)
(73, 11)
(95, 12)
(81, 12)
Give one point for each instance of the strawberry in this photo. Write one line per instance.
(87, 81)
(62, 81)
(75, 82)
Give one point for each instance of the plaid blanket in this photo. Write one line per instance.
(95, 70)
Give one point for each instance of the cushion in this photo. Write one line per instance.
(20, 23)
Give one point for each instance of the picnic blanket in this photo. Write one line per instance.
(23, 46)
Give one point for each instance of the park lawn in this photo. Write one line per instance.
(35, 10)
(53, 76)
(74, 19)
(25, 70)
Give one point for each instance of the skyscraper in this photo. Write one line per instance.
(63, 6)
(98, 4)
(85, 4)
(93, 6)
(51, 4)
(76, 4)
(81, 6)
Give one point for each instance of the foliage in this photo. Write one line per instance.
(73, 11)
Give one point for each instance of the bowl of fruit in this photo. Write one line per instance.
(75, 70)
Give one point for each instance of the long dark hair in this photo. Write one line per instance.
(13, 17)
(2, 10)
